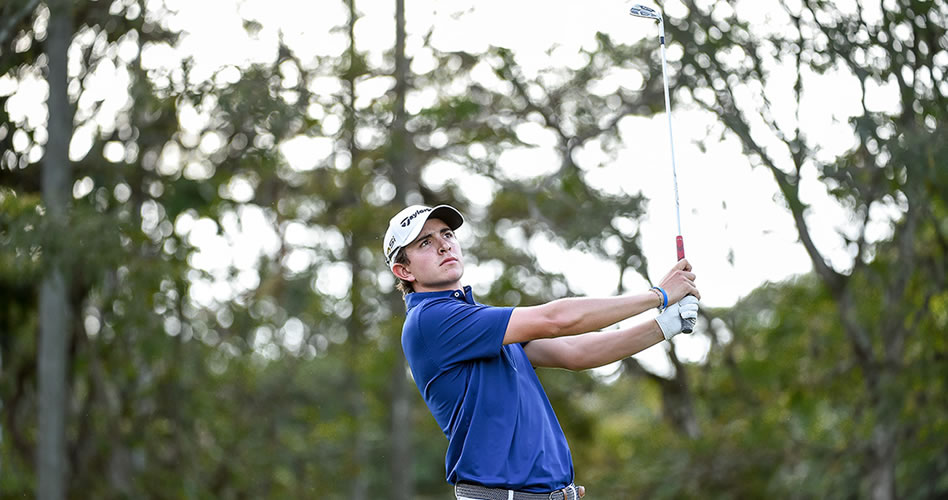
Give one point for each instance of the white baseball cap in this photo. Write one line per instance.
(407, 224)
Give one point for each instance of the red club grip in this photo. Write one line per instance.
(689, 324)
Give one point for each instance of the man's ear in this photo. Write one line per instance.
(402, 272)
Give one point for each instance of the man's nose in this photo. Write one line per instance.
(443, 244)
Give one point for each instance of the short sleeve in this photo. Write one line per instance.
(456, 331)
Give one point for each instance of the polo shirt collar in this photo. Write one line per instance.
(415, 298)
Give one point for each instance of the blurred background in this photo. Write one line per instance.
(193, 301)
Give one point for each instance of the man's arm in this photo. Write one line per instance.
(591, 350)
(575, 315)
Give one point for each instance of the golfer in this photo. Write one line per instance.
(474, 364)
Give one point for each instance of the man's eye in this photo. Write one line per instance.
(448, 234)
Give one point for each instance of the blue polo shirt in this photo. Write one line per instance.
(501, 429)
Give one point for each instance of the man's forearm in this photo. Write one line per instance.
(577, 315)
(574, 315)
(592, 350)
(597, 349)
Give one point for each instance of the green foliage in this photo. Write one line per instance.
(278, 374)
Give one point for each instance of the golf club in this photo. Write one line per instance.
(650, 13)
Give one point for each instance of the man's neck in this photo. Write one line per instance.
(449, 287)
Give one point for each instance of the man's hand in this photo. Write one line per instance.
(679, 282)
(673, 319)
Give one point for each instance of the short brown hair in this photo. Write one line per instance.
(403, 286)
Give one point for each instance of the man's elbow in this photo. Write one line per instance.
(572, 365)
(571, 358)
(560, 320)
(546, 321)
(577, 361)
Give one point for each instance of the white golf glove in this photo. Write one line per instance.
(673, 319)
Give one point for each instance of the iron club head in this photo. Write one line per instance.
(639, 10)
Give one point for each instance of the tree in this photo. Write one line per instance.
(887, 296)
(55, 308)
(401, 478)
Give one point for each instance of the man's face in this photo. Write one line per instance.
(435, 259)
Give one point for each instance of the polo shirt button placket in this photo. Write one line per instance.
(457, 295)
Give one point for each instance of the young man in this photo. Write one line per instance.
(474, 364)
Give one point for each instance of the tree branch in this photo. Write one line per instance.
(726, 109)
(677, 405)
(13, 21)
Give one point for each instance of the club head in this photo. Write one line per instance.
(639, 10)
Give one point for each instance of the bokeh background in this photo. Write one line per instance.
(193, 303)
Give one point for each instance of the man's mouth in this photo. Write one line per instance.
(449, 260)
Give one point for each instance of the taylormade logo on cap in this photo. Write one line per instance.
(407, 220)
(406, 225)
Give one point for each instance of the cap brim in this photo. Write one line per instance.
(448, 214)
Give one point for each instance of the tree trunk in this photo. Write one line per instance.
(357, 399)
(677, 399)
(359, 446)
(400, 462)
(884, 445)
(882, 477)
(401, 456)
(54, 306)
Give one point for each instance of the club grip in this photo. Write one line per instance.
(689, 324)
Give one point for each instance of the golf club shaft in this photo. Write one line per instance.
(649, 13)
(679, 241)
(671, 139)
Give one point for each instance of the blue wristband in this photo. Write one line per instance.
(664, 296)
